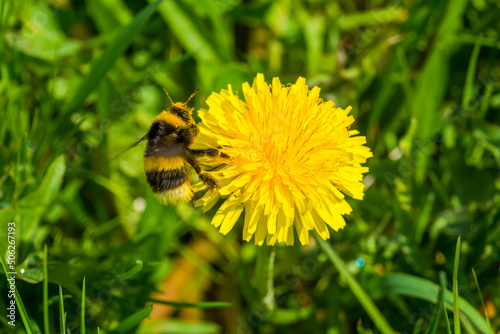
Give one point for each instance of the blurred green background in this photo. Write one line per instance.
(82, 80)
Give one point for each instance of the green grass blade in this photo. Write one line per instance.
(2, 25)
(374, 17)
(21, 175)
(423, 220)
(132, 272)
(216, 17)
(471, 70)
(189, 31)
(314, 29)
(130, 322)
(412, 286)
(62, 318)
(436, 314)
(442, 282)
(365, 300)
(482, 302)
(45, 292)
(433, 79)
(194, 305)
(109, 15)
(82, 315)
(17, 297)
(102, 65)
(289, 316)
(4, 320)
(456, 312)
(418, 326)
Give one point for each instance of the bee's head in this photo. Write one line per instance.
(181, 109)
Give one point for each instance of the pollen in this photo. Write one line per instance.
(294, 159)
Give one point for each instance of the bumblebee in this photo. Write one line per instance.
(168, 154)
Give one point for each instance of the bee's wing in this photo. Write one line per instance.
(133, 145)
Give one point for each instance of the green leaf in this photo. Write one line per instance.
(44, 47)
(42, 38)
(31, 207)
(31, 270)
(60, 275)
(412, 286)
(130, 322)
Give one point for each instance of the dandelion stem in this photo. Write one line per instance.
(265, 273)
(365, 300)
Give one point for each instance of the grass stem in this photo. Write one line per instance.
(373, 312)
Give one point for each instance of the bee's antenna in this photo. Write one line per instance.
(171, 102)
(192, 95)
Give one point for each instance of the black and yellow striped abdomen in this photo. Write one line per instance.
(169, 179)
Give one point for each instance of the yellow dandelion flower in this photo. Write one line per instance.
(294, 159)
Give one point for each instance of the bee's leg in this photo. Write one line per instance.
(209, 180)
(195, 130)
(210, 152)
